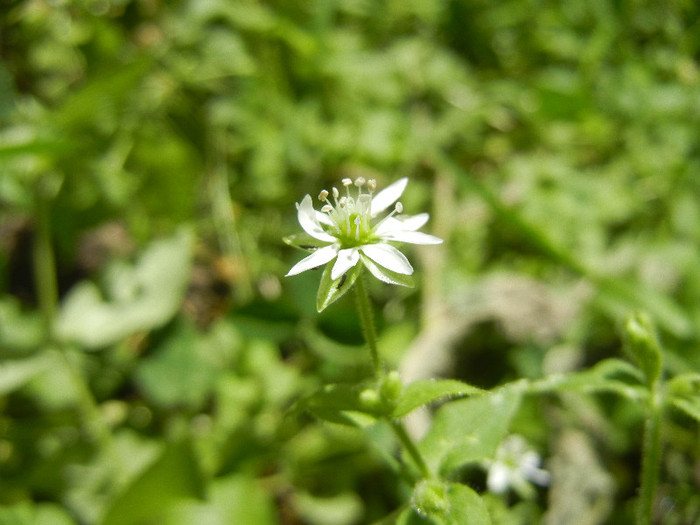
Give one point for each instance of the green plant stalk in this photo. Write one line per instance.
(410, 447)
(364, 310)
(368, 329)
(44, 263)
(46, 282)
(651, 458)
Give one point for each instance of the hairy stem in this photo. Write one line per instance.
(651, 459)
(410, 447)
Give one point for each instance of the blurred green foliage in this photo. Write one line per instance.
(156, 149)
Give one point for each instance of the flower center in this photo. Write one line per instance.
(351, 214)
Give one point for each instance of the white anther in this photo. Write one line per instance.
(346, 182)
(398, 207)
(323, 196)
(327, 208)
(359, 182)
(335, 192)
(371, 185)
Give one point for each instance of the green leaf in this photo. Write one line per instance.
(426, 391)
(610, 375)
(14, 374)
(182, 372)
(330, 290)
(139, 297)
(643, 346)
(386, 275)
(684, 394)
(238, 498)
(171, 480)
(26, 513)
(469, 430)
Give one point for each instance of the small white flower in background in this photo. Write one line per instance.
(515, 467)
(348, 233)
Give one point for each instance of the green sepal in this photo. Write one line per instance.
(383, 274)
(351, 405)
(304, 241)
(330, 290)
(437, 502)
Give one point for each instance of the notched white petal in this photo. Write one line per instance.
(412, 237)
(309, 221)
(318, 258)
(388, 196)
(389, 257)
(412, 222)
(346, 259)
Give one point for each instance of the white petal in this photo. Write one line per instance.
(498, 478)
(374, 270)
(318, 258)
(411, 237)
(412, 222)
(309, 221)
(388, 196)
(323, 218)
(389, 257)
(346, 259)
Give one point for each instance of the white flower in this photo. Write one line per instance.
(515, 466)
(347, 232)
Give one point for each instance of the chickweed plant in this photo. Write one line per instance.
(352, 232)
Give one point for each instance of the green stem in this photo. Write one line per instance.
(46, 282)
(411, 448)
(45, 268)
(364, 309)
(651, 459)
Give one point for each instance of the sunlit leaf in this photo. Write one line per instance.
(469, 430)
(425, 391)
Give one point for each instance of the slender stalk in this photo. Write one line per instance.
(46, 282)
(44, 263)
(651, 459)
(410, 447)
(364, 309)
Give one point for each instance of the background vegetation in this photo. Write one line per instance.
(151, 153)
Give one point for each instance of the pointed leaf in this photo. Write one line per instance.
(469, 430)
(426, 391)
(171, 480)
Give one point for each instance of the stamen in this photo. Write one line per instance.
(335, 192)
(398, 208)
(359, 182)
(323, 196)
(327, 208)
(357, 230)
(371, 185)
(346, 181)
